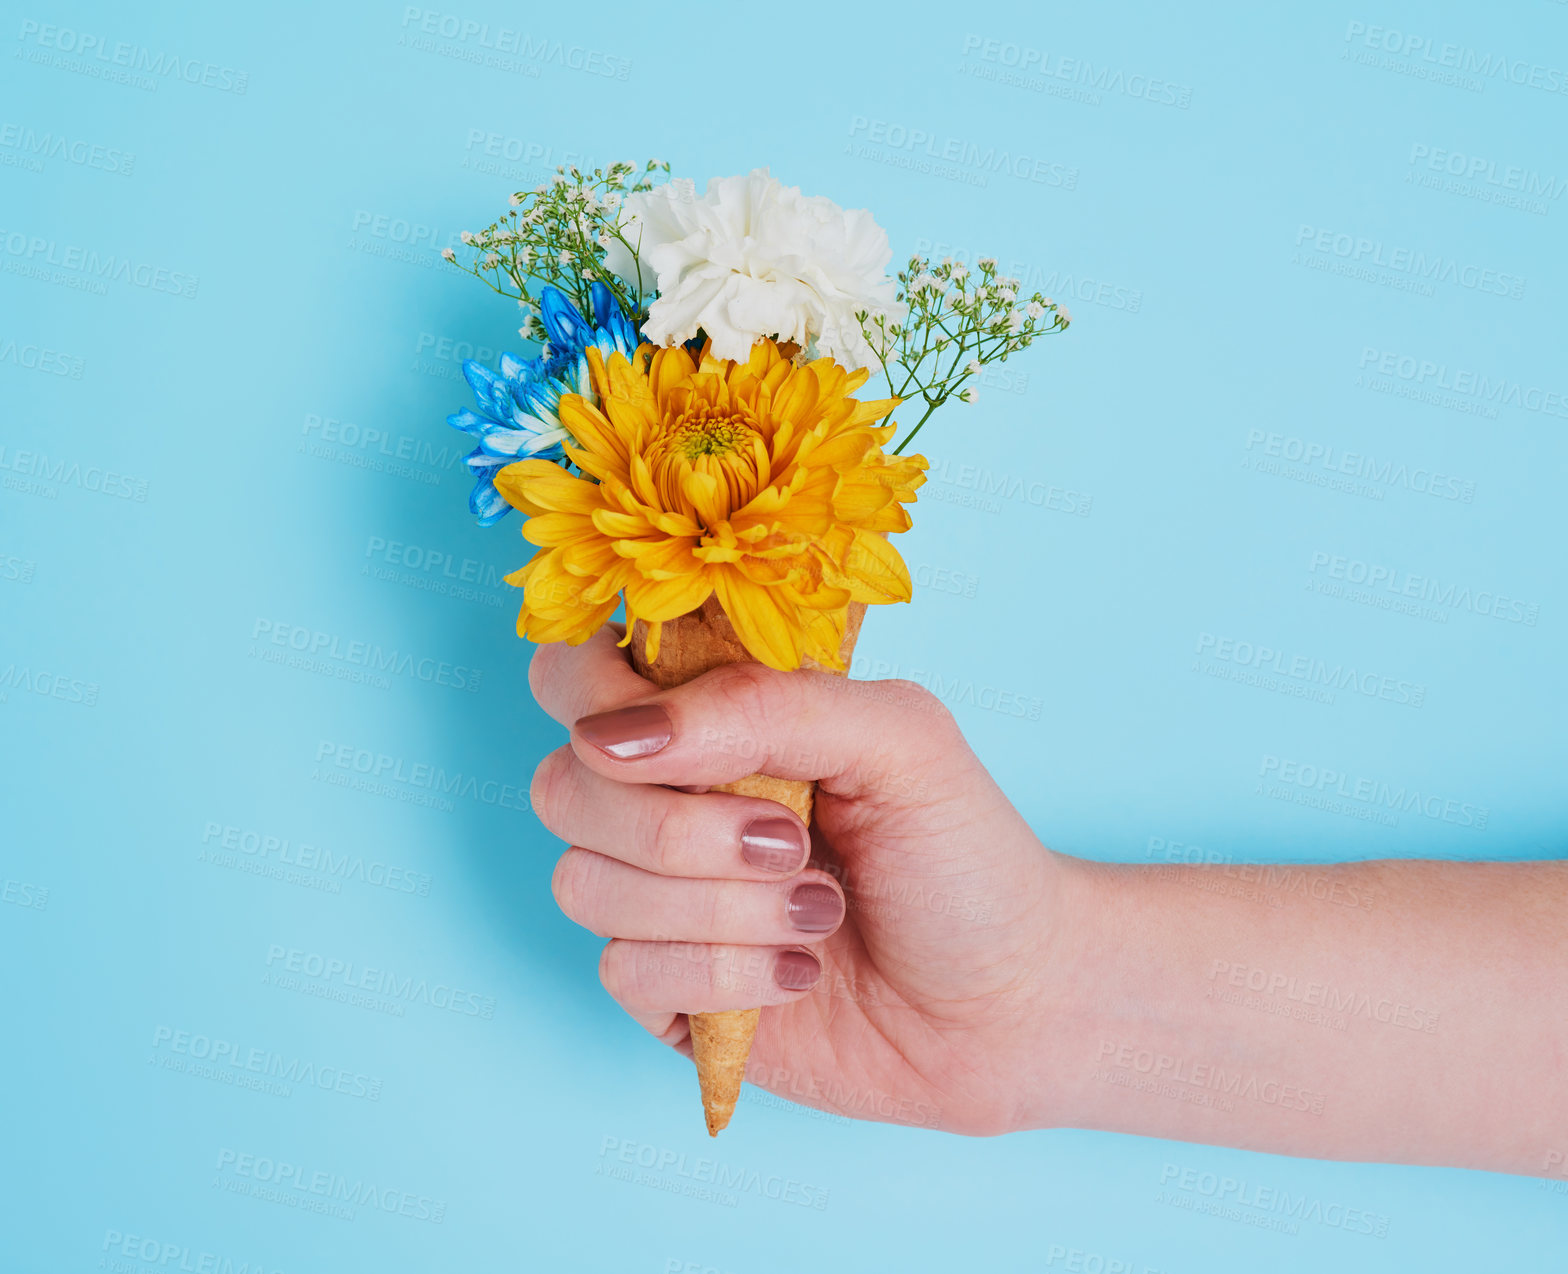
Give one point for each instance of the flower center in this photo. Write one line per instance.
(707, 435)
(711, 438)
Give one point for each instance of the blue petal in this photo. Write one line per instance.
(507, 442)
(604, 304)
(567, 329)
(514, 368)
(501, 402)
(480, 462)
(487, 504)
(539, 396)
(471, 422)
(481, 380)
(616, 331)
(547, 446)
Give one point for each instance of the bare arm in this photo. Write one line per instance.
(950, 971)
(1407, 1011)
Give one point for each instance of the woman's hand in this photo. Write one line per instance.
(906, 971)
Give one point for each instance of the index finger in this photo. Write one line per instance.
(571, 682)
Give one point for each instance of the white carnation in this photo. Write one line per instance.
(752, 258)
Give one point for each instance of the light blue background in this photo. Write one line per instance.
(288, 202)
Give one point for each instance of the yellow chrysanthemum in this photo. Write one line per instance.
(758, 482)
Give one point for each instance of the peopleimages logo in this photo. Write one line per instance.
(1311, 456)
(702, 1171)
(36, 253)
(70, 473)
(1358, 252)
(962, 153)
(1183, 1073)
(96, 56)
(1475, 168)
(39, 146)
(409, 990)
(1028, 67)
(986, 488)
(1325, 781)
(1301, 1207)
(228, 1056)
(1425, 374)
(285, 1179)
(1421, 49)
(1389, 579)
(165, 1254)
(21, 894)
(488, 43)
(370, 656)
(383, 225)
(422, 775)
(47, 685)
(40, 358)
(280, 852)
(1310, 670)
(346, 433)
(450, 350)
(432, 562)
(1322, 995)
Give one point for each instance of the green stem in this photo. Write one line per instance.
(910, 436)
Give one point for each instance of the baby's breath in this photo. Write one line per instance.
(557, 234)
(956, 324)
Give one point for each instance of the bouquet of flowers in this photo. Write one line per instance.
(689, 442)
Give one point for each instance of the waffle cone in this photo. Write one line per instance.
(689, 646)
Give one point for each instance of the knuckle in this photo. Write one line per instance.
(743, 971)
(562, 886)
(541, 668)
(750, 692)
(610, 961)
(570, 885)
(662, 834)
(631, 972)
(912, 697)
(547, 787)
(713, 911)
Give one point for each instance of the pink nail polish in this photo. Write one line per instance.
(628, 733)
(773, 844)
(815, 907)
(796, 970)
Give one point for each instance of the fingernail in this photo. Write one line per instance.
(797, 970)
(815, 908)
(627, 733)
(773, 844)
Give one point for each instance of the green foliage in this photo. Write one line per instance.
(956, 323)
(557, 234)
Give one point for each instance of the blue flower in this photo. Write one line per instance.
(517, 417)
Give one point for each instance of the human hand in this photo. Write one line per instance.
(931, 911)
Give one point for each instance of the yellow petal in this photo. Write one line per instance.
(590, 430)
(666, 598)
(650, 645)
(768, 630)
(548, 530)
(875, 571)
(824, 632)
(543, 485)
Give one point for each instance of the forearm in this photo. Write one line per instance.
(1399, 1011)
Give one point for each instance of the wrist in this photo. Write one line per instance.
(1082, 990)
